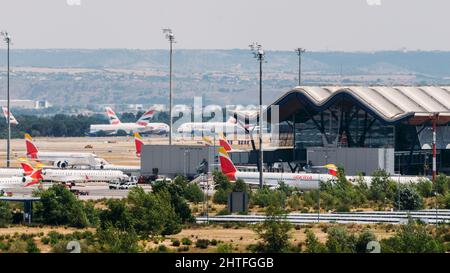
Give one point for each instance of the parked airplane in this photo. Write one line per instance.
(12, 119)
(303, 181)
(59, 159)
(230, 127)
(143, 125)
(17, 181)
(75, 175)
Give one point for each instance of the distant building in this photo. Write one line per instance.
(26, 104)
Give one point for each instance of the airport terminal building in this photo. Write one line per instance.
(364, 128)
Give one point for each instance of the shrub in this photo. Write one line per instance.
(224, 248)
(441, 184)
(186, 241)
(175, 242)
(183, 249)
(221, 196)
(18, 246)
(425, 187)
(202, 243)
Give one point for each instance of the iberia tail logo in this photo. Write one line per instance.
(138, 142)
(32, 150)
(207, 141)
(224, 143)
(226, 164)
(332, 169)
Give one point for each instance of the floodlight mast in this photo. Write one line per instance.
(300, 51)
(7, 39)
(171, 38)
(259, 54)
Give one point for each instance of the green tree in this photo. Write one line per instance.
(117, 215)
(59, 206)
(240, 186)
(424, 187)
(5, 214)
(312, 243)
(409, 198)
(441, 184)
(382, 187)
(412, 238)
(363, 240)
(221, 181)
(340, 240)
(274, 231)
(114, 240)
(193, 193)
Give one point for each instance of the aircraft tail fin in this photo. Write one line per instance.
(12, 119)
(226, 164)
(36, 177)
(224, 143)
(145, 118)
(332, 169)
(138, 142)
(113, 119)
(32, 149)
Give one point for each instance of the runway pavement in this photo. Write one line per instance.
(94, 190)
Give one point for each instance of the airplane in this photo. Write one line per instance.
(12, 119)
(74, 175)
(59, 159)
(24, 181)
(302, 181)
(230, 127)
(142, 125)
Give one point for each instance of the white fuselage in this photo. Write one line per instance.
(12, 182)
(67, 158)
(79, 175)
(210, 127)
(9, 172)
(310, 181)
(130, 128)
(303, 181)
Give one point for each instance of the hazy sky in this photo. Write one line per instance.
(317, 25)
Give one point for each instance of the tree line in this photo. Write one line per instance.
(61, 125)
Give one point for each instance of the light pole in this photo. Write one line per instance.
(258, 52)
(169, 36)
(7, 39)
(300, 51)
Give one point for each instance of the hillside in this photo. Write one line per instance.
(83, 77)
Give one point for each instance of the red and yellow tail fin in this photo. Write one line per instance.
(32, 149)
(332, 169)
(226, 164)
(27, 168)
(207, 141)
(36, 177)
(224, 143)
(138, 142)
